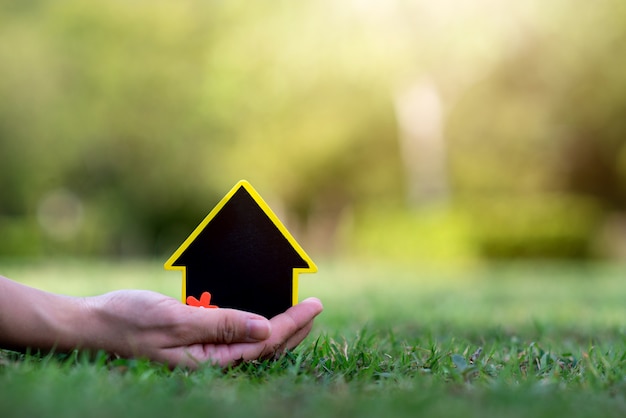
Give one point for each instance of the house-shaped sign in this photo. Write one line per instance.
(243, 256)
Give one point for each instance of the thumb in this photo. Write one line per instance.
(227, 326)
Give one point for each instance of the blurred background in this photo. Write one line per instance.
(404, 130)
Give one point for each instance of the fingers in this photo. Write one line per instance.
(225, 326)
(295, 324)
(304, 311)
(296, 339)
(297, 320)
(288, 330)
(229, 336)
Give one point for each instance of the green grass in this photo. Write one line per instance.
(539, 340)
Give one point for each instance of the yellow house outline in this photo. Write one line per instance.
(169, 264)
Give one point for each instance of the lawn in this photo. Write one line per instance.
(520, 339)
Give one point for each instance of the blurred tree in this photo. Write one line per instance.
(104, 101)
(137, 117)
(554, 131)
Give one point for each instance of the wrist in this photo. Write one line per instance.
(32, 318)
(98, 327)
(66, 320)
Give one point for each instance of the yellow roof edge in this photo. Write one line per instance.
(169, 264)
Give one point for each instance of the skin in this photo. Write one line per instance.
(141, 323)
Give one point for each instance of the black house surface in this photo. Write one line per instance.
(243, 255)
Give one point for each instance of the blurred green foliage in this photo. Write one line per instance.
(123, 123)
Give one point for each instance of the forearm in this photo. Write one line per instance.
(31, 318)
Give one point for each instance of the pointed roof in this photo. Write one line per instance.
(240, 246)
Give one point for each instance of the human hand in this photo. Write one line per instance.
(139, 323)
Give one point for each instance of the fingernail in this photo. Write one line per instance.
(314, 300)
(258, 329)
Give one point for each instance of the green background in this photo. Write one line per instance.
(399, 130)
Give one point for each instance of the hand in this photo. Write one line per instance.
(137, 323)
